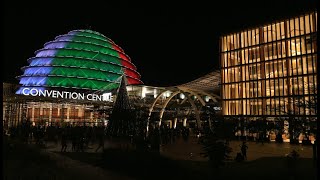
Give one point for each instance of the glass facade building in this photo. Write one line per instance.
(269, 70)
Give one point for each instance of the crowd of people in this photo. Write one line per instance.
(78, 136)
(81, 136)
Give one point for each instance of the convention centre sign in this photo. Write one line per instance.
(67, 95)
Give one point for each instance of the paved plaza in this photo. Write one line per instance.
(75, 165)
(192, 149)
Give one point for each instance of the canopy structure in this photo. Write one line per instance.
(198, 93)
(209, 83)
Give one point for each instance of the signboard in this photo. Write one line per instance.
(67, 95)
(217, 108)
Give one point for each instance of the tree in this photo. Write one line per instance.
(216, 150)
(215, 142)
(122, 118)
(297, 125)
(224, 127)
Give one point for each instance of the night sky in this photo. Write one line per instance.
(170, 43)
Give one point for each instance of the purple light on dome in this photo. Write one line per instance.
(74, 32)
(64, 38)
(41, 61)
(45, 53)
(38, 71)
(55, 45)
(33, 81)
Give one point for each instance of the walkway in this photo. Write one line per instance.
(191, 150)
(23, 161)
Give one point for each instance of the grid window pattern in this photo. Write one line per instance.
(268, 69)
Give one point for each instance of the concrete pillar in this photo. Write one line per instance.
(20, 118)
(62, 113)
(68, 113)
(58, 110)
(210, 125)
(41, 110)
(32, 114)
(185, 122)
(50, 112)
(175, 123)
(91, 116)
(161, 114)
(4, 111)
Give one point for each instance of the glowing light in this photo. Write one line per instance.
(41, 61)
(80, 59)
(143, 92)
(155, 93)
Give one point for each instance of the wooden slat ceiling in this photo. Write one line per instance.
(208, 83)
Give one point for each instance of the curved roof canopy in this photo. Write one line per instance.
(209, 83)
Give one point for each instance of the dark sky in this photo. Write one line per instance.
(170, 43)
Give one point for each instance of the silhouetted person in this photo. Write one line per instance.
(155, 140)
(101, 142)
(292, 163)
(185, 134)
(64, 142)
(239, 157)
(74, 142)
(244, 148)
(279, 138)
(314, 149)
(262, 136)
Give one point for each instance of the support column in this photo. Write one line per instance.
(62, 113)
(91, 116)
(210, 124)
(263, 72)
(20, 117)
(175, 123)
(185, 122)
(196, 112)
(41, 110)
(15, 113)
(161, 113)
(32, 114)
(50, 113)
(68, 113)
(58, 113)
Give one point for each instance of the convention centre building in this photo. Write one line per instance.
(74, 80)
(267, 73)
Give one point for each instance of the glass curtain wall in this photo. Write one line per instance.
(267, 70)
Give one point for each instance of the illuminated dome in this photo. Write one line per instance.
(81, 59)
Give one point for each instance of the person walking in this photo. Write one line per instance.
(64, 142)
(261, 137)
(244, 148)
(314, 150)
(101, 142)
